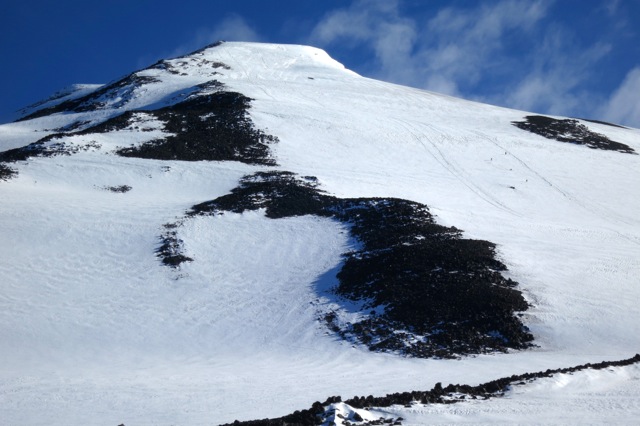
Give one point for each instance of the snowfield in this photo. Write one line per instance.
(94, 329)
(592, 397)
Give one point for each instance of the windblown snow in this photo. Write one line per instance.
(94, 329)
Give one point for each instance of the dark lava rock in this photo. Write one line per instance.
(570, 131)
(43, 148)
(210, 124)
(493, 389)
(118, 189)
(121, 89)
(170, 250)
(6, 172)
(214, 127)
(424, 279)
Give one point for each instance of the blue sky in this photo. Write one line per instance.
(568, 57)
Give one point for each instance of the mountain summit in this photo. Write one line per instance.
(256, 223)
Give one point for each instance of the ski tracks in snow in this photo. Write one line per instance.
(493, 141)
(449, 165)
(597, 210)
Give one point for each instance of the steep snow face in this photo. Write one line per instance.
(588, 397)
(96, 329)
(563, 215)
(170, 81)
(74, 91)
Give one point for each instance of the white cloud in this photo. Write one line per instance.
(465, 45)
(231, 28)
(624, 105)
(558, 68)
(612, 7)
(452, 49)
(507, 52)
(378, 25)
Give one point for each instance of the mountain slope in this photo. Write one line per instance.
(90, 316)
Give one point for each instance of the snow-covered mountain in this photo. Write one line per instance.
(247, 229)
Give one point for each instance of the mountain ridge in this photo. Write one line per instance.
(189, 158)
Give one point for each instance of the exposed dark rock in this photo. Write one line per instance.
(281, 193)
(570, 131)
(437, 395)
(121, 89)
(35, 149)
(201, 50)
(486, 390)
(76, 125)
(210, 124)
(119, 189)
(170, 250)
(6, 172)
(45, 147)
(56, 96)
(179, 67)
(214, 127)
(436, 294)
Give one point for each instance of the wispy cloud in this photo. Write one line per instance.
(379, 26)
(509, 52)
(513, 53)
(465, 46)
(231, 28)
(557, 70)
(612, 7)
(451, 49)
(623, 106)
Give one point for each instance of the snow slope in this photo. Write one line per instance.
(95, 330)
(588, 397)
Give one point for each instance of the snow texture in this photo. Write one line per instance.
(96, 330)
(423, 290)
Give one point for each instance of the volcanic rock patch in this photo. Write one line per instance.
(570, 131)
(214, 127)
(6, 172)
(424, 290)
(113, 95)
(210, 124)
(321, 412)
